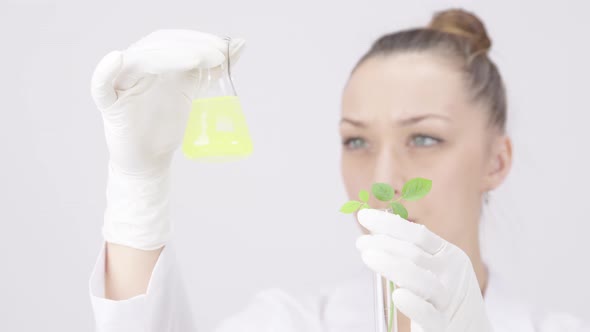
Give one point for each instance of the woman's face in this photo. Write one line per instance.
(409, 115)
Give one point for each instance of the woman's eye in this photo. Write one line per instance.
(423, 140)
(355, 143)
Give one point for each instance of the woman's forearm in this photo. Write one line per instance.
(128, 271)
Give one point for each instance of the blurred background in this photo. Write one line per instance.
(272, 220)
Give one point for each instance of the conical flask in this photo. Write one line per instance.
(216, 129)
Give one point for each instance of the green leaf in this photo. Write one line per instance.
(365, 206)
(382, 191)
(364, 196)
(399, 209)
(416, 188)
(350, 206)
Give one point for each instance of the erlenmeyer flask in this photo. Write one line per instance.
(216, 128)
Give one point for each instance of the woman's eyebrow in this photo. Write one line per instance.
(353, 122)
(415, 119)
(402, 122)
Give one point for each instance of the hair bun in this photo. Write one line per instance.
(465, 24)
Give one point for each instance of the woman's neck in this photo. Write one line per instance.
(481, 271)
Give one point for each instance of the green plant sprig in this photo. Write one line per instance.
(412, 190)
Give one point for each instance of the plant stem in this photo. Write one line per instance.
(391, 308)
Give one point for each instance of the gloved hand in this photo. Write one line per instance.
(144, 94)
(436, 284)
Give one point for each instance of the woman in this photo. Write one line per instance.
(424, 102)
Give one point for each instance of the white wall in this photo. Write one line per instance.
(282, 228)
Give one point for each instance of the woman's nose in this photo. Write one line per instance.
(389, 170)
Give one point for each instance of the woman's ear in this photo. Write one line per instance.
(499, 164)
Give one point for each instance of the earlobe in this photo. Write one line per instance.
(500, 163)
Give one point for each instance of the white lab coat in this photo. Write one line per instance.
(345, 307)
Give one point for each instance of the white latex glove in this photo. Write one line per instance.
(436, 284)
(144, 94)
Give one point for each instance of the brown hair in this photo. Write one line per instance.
(460, 35)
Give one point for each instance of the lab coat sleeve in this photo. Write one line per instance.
(509, 312)
(163, 308)
(273, 310)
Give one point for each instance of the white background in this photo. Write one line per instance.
(272, 220)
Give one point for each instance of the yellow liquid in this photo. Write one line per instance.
(217, 130)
